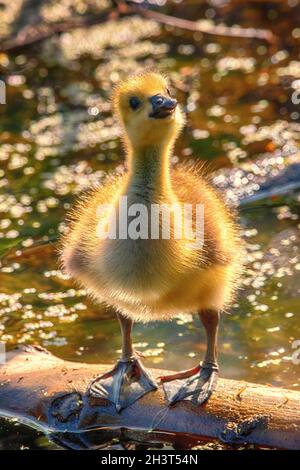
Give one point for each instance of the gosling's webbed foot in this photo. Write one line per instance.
(124, 384)
(195, 385)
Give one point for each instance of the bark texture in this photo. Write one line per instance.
(50, 392)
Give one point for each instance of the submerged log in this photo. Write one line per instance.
(43, 390)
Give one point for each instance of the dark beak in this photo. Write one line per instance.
(162, 107)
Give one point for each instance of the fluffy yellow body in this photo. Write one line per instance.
(151, 279)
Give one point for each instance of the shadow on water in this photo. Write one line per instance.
(18, 436)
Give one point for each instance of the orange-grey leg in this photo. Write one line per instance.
(197, 384)
(128, 380)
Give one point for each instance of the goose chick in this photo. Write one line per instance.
(113, 250)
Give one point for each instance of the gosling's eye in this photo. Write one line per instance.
(134, 103)
(168, 91)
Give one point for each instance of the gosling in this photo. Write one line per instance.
(148, 278)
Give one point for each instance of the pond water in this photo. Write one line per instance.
(58, 137)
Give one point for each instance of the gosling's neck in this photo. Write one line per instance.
(149, 172)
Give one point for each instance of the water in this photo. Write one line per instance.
(58, 137)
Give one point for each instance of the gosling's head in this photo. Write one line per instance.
(147, 111)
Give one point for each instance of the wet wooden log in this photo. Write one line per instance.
(37, 387)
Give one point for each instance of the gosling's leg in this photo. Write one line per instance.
(197, 384)
(128, 380)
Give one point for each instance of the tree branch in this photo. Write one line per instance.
(51, 393)
(33, 34)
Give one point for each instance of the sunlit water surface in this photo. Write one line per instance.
(58, 138)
